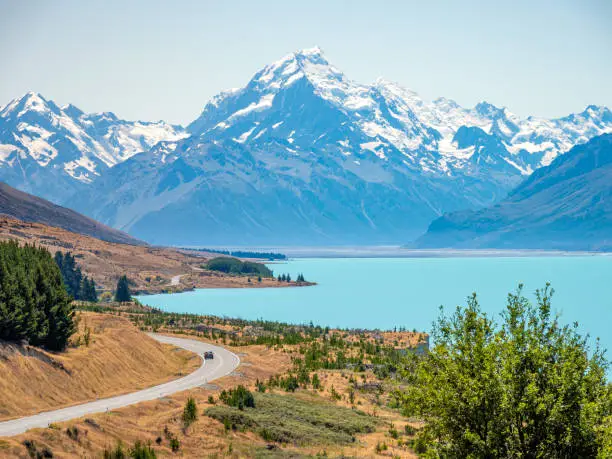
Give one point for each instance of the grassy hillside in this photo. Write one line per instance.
(118, 359)
(149, 269)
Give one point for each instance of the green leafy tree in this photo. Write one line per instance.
(122, 294)
(528, 387)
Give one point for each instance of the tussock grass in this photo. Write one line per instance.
(119, 359)
(296, 420)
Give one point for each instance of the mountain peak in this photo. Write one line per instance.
(484, 108)
(30, 101)
(309, 62)
(315, 51)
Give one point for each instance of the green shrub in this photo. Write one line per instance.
(240, 397)
(524, 386)
(175, 444)
(116, 453)
(190, 412)
(381, 446)
(142, 451)
(296, 420)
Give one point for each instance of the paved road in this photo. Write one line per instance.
(176, 279)
(223, 364)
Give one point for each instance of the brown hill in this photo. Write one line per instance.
(29, 208)
(149, 269)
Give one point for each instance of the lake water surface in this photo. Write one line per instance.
(389, 292)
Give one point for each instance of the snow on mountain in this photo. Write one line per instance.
(389, 121)
(300, 154)
(38, 135)
(566, 205)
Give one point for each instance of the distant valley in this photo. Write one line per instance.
(301, 155)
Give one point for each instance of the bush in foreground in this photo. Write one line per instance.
(240, 397)
(527, 387)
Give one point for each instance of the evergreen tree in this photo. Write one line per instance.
(122, 294)
(78, 286)
(288, 278)
(34, 303)
(87, 291)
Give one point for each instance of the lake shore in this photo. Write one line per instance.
(401, 252)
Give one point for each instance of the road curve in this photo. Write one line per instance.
(223, 364)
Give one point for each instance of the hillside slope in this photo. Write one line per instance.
(149, 269)
(28, 208)
(566, 206)
(119, 359)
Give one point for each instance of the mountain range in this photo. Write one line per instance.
(300, 155)
(54, 151)
(566, 205)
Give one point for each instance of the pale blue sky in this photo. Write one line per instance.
(163, 60)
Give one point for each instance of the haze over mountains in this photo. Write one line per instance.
(567, 205)
(300, 155)
(28, 208)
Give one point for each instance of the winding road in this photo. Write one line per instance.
(223, 364)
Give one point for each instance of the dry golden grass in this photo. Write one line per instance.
(147, 421)
(119, 359)
(149, 268)
(373, 405)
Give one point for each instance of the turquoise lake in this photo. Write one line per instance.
(389, 292)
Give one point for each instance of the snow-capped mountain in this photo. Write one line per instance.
(41, 143)
(302, 154)
(387, 121)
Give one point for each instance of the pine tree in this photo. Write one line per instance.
(122, 294)
(288, 278)
(87, 291)
(78, 286)
(34, 303)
